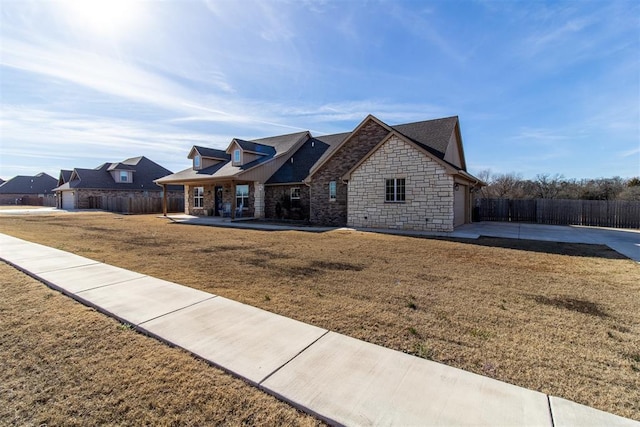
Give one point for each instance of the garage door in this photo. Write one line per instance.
(460, 205)
(68, 201)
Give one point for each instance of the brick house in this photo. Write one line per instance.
(130, 179)
(28, 190)
(411, 176)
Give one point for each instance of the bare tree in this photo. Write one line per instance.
(486, 177)
(548, 186)
(507, 186)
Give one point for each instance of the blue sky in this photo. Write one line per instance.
(540, 87)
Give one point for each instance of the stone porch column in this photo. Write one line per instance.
(258, 200)
(186, 199)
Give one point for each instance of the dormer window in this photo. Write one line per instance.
(196, 161)
(236, 156)
(124, 176)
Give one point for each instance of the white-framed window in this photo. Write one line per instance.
(242, 195)
(295, 193)
(332, 190)
(394, 190)
(197, 160)
(198, 197)
(124, 176)
(236, 155)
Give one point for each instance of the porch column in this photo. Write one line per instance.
(164, 200)
(258, 200)
(186, 199)
(234, 200)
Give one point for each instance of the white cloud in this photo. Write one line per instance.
(630, 153)
(93, 71)
(45, 137)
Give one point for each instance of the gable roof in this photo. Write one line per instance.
(432, 135)
(348, 135)
(210, 153)
(64, 176)
(41, 183)
(145, 172)
(278, 146)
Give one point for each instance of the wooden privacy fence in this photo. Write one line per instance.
(599, 213)
(49, 200)
(138, 205)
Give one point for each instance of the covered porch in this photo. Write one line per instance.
(224, 199)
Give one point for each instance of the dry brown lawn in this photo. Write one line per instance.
(563, 319)
(66, 364)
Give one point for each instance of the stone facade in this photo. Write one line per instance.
(428, 189)
(228, 194)
(278, 194)
(258, 200)
(334, 212)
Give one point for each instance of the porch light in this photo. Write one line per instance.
(456, 186)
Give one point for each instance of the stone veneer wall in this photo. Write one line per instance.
(334, 213)
(428, 191)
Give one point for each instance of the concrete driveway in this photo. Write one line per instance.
(16, 210)
(623, 241)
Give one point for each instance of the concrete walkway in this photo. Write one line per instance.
(623, 241)
(342, 380)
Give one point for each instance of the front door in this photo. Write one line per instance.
(218, 201)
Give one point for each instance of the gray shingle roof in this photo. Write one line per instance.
(307, 155)
(41, 183)
(432, 135)
(212, 153)
(145, 172)
(278, 145)
(65, 175)
(253, 147)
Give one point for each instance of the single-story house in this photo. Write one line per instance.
(411, 176)
(132, 178)
(31, 190)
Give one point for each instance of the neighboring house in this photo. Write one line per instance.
(411, 176)
(28, 190)
(132, 179)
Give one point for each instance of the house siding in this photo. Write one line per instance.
(334, 213)
(429, 191)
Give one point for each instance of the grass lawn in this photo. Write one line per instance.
(67, 364)
(563, 319)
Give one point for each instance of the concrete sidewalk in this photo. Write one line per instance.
(341, 380)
